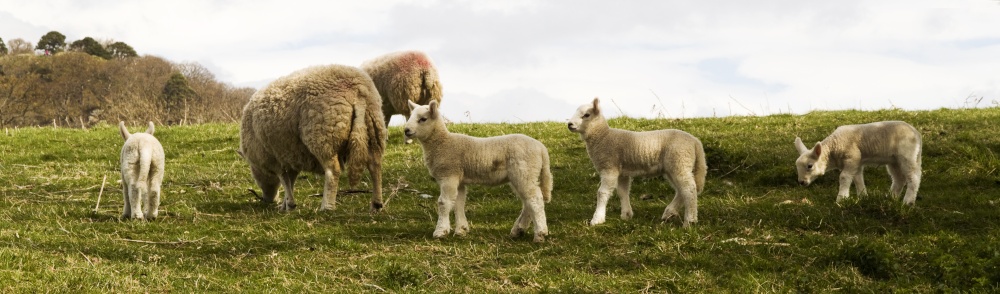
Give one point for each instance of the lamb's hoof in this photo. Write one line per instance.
(626, 215)
(516, 232)
(287, 206)
(441, 233)
(376, 206)
(594, 222)
(667, 216)
(540, 237)
(461, 230)
(137, 216)
(326, 207)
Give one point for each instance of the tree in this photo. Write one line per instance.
(19, 46)
(121, 50)
(90, 46)
(52, 42)
(177, 94)
(3, 48)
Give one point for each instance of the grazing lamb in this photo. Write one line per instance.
(402, 77)
(455, 160)
(895, 144)
(618, 155)
(319, 120)
(142, 173)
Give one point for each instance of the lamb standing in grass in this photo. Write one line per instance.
(618, 155)
(402, 77)
(318, 120)
(895, 144)
(455, 160)
(142, 173)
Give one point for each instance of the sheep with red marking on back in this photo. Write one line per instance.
(402, 77)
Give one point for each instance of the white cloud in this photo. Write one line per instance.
(699, 57)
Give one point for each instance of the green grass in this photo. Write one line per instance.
(758, 231)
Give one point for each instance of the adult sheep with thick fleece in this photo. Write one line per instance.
(456, 160)
(618, 155)
(403, 77)
(849, 148)
(142, 173)
(319, 120)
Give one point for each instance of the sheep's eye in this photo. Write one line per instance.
(422, 119)
(809, 166)
(586, 115)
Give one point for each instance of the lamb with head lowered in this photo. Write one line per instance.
(456, 160)
(618, 155)
(895, 144)
(142, 173)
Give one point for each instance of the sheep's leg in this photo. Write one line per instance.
(898, 179)
(127, 210)
(461, 223)
(846, 177)
(135, 198)
(609, 181)
(537, 206)
(523, 220)
(624, 183)
(375, 170)
(153, 204)
(288, 182)
(331, 179)
(678, 200)
(859, 182)
(449, 191)
(913, 173)
(689, 194)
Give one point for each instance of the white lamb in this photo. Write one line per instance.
(455, 160)
(618, 155)
(142, 173)
(895, 144)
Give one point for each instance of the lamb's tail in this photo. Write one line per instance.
(145, 161)
(357, 155)
(546, 178)
(123, 130)
(700, 168)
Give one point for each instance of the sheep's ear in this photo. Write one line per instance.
(596, 108)
(412, 105)
(818, 149)
(123, 130)
(150, 129)
(434, 109)
(799, 146)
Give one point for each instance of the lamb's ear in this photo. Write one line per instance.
(123, 130)
(412, 105)
(151, 129)
(596, 108)
(799, 146)
(434, 109)
(818, 149)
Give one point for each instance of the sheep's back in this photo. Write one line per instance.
(404, 76)
(307, 112)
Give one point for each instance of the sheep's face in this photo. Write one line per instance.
(583, 116)
(423, 120)
(811, 164)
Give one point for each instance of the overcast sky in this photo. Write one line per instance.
(520, 60)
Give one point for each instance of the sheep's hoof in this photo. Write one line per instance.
(626, 215)
(287, 206)
(327, 207)
(461, 230)
(517, 232)
(539, 238)
(376, 206)
(441, 233)
(594, 222)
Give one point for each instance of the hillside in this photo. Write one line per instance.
(758, 231)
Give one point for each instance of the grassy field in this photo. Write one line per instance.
(758, 231)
